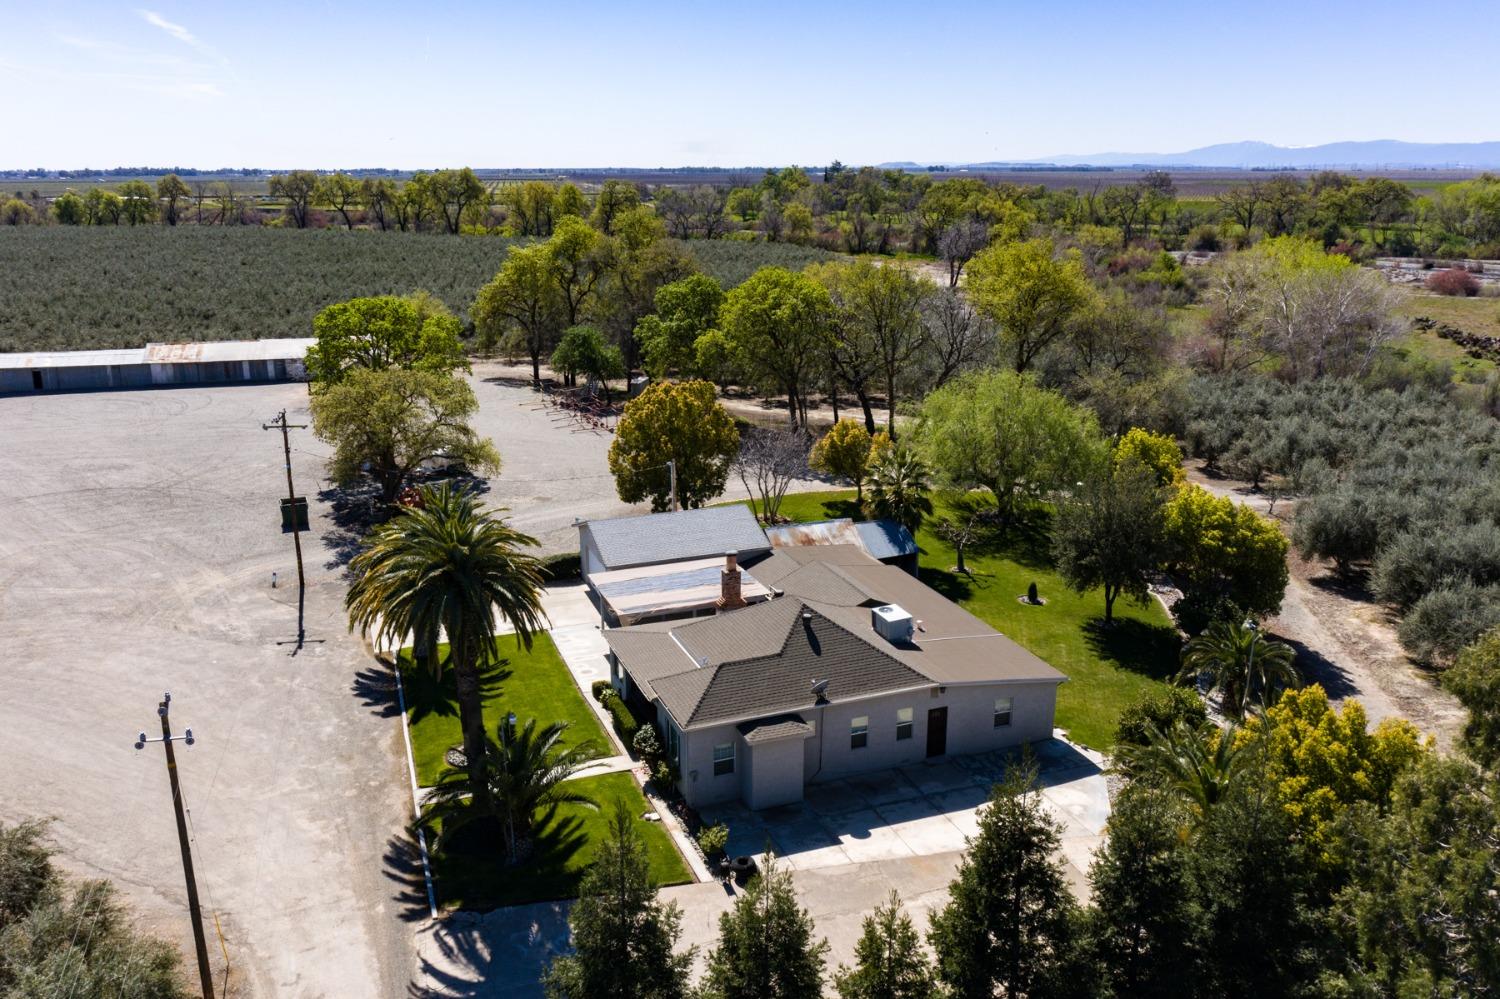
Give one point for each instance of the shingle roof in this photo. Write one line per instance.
(671, 537)
(772, 729)
(885, 539)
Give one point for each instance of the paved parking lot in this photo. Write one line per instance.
(918, 811)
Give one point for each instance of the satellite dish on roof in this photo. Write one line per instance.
(820, 689)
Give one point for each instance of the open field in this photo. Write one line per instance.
(86, 288)
(1107, 668)
(1479, 315)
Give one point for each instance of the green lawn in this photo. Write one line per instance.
(1107, 669)
(476, 876)
(533, 684)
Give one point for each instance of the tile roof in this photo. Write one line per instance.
(772, 729)
(671, 537)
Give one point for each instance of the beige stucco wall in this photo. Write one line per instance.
(772, 773)
(828, 755)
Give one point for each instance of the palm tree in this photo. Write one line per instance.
(898, 488)
(442, 566)
(1240, 661)
(523, 773)
(1200, 763)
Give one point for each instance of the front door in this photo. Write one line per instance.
(937, 731)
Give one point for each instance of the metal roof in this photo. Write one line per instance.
(814, 532)
(651, 590)
(291, 349)
(885, 539)
(625, 542)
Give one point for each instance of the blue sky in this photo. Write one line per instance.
(325, 85)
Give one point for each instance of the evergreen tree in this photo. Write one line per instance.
(766, 948)
(1007, 927)
(889, 959)
(1144, 923)
(622, 934)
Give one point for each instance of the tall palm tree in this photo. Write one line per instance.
(445, 566)
(1240, 662)
(898, 487)
(523, 775)
(1201, 763)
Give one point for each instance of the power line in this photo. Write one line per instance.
(292, 510)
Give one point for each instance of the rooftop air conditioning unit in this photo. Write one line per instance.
(892, 623)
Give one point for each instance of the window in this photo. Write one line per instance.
(903, 723)
(859, 732)
(1002, 712)
(724, 759)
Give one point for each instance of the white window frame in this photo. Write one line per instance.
(1004, 708)
(859, 732)
(904, 725)
(718, 760)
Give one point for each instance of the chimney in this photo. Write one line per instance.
(729, 584)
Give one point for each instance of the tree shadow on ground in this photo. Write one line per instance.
(402, 865)
(1354, 586)
(513, 381)
(357, 508)
(438, 695)
(1148, 649)
(955, 586)
(375, 686)
(1318, 668)
(472, 868)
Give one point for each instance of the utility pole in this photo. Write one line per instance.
(286, 446)
(672, 484)
(195, 912)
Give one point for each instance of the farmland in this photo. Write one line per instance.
(80, 288)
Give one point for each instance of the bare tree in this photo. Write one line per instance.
(958, 337)
(709, 210)
(958, 243)
(1242, 202)
(972, 530)
(768, 462)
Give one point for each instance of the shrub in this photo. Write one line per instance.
(1204, 237)
(1160, 710)
(1447, 619)
(625, 723)
(560, 567)
(713, 839)
(664, 775)
(1453, 281)
(601, 690)
(645, 743)
(1421, 560)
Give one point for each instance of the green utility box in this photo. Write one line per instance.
(290, 508)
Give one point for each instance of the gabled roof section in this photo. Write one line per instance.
(814, 649)
(673, 537)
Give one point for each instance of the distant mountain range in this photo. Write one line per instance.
(1379, 153)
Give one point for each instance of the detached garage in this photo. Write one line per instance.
(156, 364)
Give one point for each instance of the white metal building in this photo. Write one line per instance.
(155, 364)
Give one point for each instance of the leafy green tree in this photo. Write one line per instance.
(101, 207)
(1158, 452)
(1196, 761)
(622, 933)
(714, 358)
(379, 196)
(1156, 711)
(1445, 621)
(297, 188)
(889, 962)
(844, 452)
(392, 421)
(171, 191)
(523, 299)
(569, 200)
(1109, 533)
(899, 488)
(16, 212)
(582, 351)
(1000, 430)
(1337, 525)
(766, 948)
(138, 202)
(1145, 924)
(778, 322)
(524, 773)
(416, 333)
(680, 422)
(444, 567)
(1008, 921)
(67, 208)
(1475, 680)
(1030, 293)
(452, 192)
(578, 265)
(615, 199)
(639, 260)
(413, 206)
(685, 310)
(74, 940)
(340, 192)
(1222, 549)
(1242, 663)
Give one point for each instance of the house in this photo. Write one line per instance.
(844, 666)
(883, 540)
(666, 565)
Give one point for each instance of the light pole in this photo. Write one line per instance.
(195, 913)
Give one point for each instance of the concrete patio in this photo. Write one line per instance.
(921, 811)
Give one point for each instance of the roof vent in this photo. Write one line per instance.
(892, 623)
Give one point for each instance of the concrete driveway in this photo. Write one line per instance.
(921, 811)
